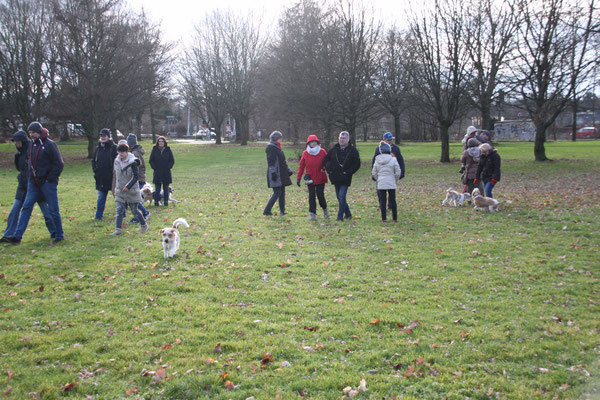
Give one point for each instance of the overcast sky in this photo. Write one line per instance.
(177, 17)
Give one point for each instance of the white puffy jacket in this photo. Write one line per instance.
(386, 171)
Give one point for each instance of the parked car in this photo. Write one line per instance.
(589, 132)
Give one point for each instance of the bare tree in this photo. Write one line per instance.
(490, 40)
(444, 70)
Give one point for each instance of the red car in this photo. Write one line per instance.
(588, 132)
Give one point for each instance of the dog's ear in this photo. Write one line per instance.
(161, 231)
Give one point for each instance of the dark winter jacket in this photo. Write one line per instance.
(470, 158)
(341, 164)
(138, 152)
(162, 162)
(21, 166)
(396, 152)
(278, 172)
(103, 165)
(44, 161)
(489, 167)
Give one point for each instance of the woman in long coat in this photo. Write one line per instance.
(161, 161)
(278, 173)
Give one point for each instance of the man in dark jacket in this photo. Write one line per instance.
(389, 139)
(44, 166)
(341, 162)
(103, 165)
(489, 168)
(22, 143)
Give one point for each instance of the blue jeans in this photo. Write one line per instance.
(344, 209)
(141, 205)
(49, 193)
(101, 203)
(121, 207)
(165, 187)
(488, 186)
(13, 218)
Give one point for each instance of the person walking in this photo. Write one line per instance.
(103, 165)
(386, 171)
(127, 189)
(22, 143)
(138, 151)
(488, 170)
(161, 161)
(389, 139)
(44, 166)
(341, 162)
(470, 162)
(316, 177)
(278, 173)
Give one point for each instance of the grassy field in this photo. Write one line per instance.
(446, 304)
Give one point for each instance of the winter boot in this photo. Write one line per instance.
(312, 217)
(143, 228)
(326, 213)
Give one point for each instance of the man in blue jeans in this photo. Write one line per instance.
(44, 166)
(22, 143)
(341, 162)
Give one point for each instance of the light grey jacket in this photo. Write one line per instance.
(386, 171)
(123, 177)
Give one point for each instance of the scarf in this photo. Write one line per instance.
(313, 151)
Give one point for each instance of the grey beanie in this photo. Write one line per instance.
(36, 127)
(473, 142)
(132, 140)
(275, 135)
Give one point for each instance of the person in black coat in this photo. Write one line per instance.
(22, 143)
(161, 161)
(341, 162)
(389, 139)
(44, 166)
(278, 173)
(102, 165)
(488, 170)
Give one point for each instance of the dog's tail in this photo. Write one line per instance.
(180, 221)
(449, 190)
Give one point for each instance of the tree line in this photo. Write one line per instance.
(323, 67)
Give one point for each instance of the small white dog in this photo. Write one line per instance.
(170, 238)
(482, 202)
(455, 198)
(148, 195)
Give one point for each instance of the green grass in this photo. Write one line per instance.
(507, 303)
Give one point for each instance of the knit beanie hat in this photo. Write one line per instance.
(104, 131)
(35, 127)
(19, 136)
(473, 142)
(275, 135)
(132, 140)
(385, 148)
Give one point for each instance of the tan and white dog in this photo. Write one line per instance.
(482, 202)
(455, 198)
(147, 192)
(170, 238)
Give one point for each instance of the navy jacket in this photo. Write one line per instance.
(489, 167)
(162, 163)
(342, 164)
(103, 165)
(397, 153)
(45, 163)
(278, 172)
(21, 166)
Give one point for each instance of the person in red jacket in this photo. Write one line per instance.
(316, 177)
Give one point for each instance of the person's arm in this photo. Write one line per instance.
(171, 160)
(95, 161)
(397, 170)
(496, 174)
(355, 164)
(374, 172)
(134, 178)
(56, 163)
(400, 162)
(374, 156)
(301, 166)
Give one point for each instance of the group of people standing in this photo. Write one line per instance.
(480, 162)
(341, 162)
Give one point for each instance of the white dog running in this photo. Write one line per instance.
(170, 238)
(455, 198)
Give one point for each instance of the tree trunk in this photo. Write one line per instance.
(244, 123)
(91, 145)
(444, 137)
(152, 124)
(397, 128)
(574, 128)
(486, 118)
(217, 134)
(540, 137)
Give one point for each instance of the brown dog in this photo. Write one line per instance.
(482, 202)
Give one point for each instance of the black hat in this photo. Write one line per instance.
(19, 136)
(35, 127)
(105, 131)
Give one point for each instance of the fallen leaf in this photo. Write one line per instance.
(311, 328)
(409, 371)
(167, 346)
(229, 385)
(266, 358)
(217, 348)
(131, 391)
(67, 387)
(374, 322)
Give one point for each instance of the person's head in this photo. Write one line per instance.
(132, 140)
(19, 138)
(485, 148)
(161, 141)
(313, 141)
(473, 142)
(35, 130)
(104, 135)
(344, 139)
(122, 150)
(385, 148)
(471, 130)
(388, 137)
(485, 134)
(275, 136)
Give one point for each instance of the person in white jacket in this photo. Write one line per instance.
(386, 171)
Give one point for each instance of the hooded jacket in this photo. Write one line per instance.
(162, 162)
(21, 164)
(103, 164)
(386, 171)
(278, 172)
(126, 174)
(396, 152)
(470, 157)
(45, 163)
(313, 164)
(138, 151)
(489, 167)
(341, 164)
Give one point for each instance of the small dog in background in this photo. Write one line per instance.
(148, 195)
(482, 202)
(455, 199)
(171, 237)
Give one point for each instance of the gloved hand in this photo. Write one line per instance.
(298, 182)
(475, 181)
(493, 181)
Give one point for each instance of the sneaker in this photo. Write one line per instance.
(349, 216)
(384, 220)
(326, 213)
(143, 228)
(267, 214)
(339, 219)
(312, 217)
(116, 232)
(395, 220)
(4, 240)
(13, 240)
(56, 241)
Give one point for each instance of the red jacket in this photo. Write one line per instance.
(314, 167)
